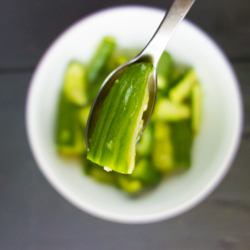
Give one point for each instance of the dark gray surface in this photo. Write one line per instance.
(34, 216)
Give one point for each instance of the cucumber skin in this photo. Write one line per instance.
(98, 62)
(164, 69)
(146, 173)
(162, 153)
(69, 136)
(145, 144)
(182, 89)
(196, 112)
(128, 185)
(166, 110)
(75, 85)
(182, 139)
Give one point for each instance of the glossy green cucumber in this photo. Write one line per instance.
(74, 83)
(164, 68)
(69, 135)
(167, 110)
(128, 184)
(100, 59)
(162, 154)
(146, 172)
(196, 98)
(84, 114)
(183, 88)
(100, 175)
(181, 137)
(178, 71)
(145, 144)
(114, 137)
(93, 88)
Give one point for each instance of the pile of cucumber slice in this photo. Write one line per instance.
(165, 145)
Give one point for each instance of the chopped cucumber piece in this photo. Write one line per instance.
(167, 110)
(196, 97)
(145, 144)
(183, 88)
(164, 68)
(69, 135)
(99, 174)
(177, 73)
(146, 172)
(74, 83)
(181, 137)
(162, 155)
(101, 57)
(86, 164)
(129, 185)
(165, 64)
(84, 114)
(115, 134)
(161, 82)
(94, 87)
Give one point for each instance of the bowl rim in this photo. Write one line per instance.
(121, 218)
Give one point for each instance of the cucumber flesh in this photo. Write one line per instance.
(162, 154)
(84, 114)
(129, 185)
(182, 90)
(69, 135)
(115, 134)
(146, 172)
(196, 98)
(167, 110)
(100, 59)
(145, 144)
(164, 68)
(181, 139)
(99, 174)
(75, 84)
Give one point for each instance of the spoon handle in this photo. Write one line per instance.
(166, 29)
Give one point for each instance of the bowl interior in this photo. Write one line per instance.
(213, 149)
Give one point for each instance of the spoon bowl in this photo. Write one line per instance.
(107, 85)
(151, 53)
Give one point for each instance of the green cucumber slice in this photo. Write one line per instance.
(69, 135)
(182, 137)
(183, 88)
(167, 110)
(129, 185)
(74, 84)
(164, 68)
(145, 144)
(196, 98)
(84, 114)
(114, 137)
(100, 175)
(146, 172)
(162, 154)
(101, 57)
(97, 173)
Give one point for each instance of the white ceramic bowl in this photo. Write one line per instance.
(214, 148)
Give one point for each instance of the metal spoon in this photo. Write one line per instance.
(151, 53)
